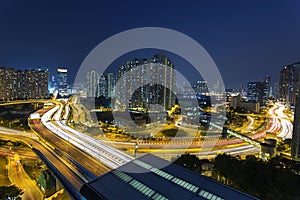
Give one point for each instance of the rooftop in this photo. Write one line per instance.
(150, 177)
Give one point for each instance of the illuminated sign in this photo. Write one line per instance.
(62, 70)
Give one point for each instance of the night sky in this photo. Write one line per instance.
(246, 39)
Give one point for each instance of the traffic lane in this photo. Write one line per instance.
(87, 161)
(68, 173)
(19, 177)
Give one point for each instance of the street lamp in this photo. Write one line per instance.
(136, 149)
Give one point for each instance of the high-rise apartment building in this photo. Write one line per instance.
(28, 84)
(289, 83)
(201, 87)
(100, 84)
(140, 82)
(154, 79)
(110, 84)
(62, 81)
(275, 90)
(296, 131)
(52, 84)
(35, 83)
(92, 81)
(268, 85)
(7, 83)
(257, 92)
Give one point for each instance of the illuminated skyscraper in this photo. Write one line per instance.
(296, 132)
(100, 84)
(145, 82)
(275, 90)
(257, 92)
(110, 81)
(201, 87)
(268, 85)
(62, 78)
(7, 83)
(28, 84)
(35, 84)
(288, 85)
(92, 81)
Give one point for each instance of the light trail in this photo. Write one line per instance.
(111, 157)
(286, 131)
(16, 132)
(251, 123)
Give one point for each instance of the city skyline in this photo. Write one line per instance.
(103, 84)
(150, 100)
(241, 37)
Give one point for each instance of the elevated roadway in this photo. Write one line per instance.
(76, 180)
(107, 155)
(89, 162)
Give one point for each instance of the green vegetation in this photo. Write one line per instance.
(3, 171)
(15, 116)
(262, 179)
(47, 181)
(284, 145)
(170, 132)
(94, 131)
(32, 170)
(275, 179)
(11, 144)
(237, 121)
(190, 162)
(233, 118)
(10, 192)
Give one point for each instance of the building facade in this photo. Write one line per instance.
(237, 102)
(296, 132)
(138, 83)
(257, 92)
(100, 85)
(7, 85)
(92, 81)
(201, 87)
(142, 82)
(62, 81)
(28, 84)
(268, 85)
(110, 82)
(289, 83)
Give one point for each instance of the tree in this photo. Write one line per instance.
(266, 180)
(191, 162)
(11, 191)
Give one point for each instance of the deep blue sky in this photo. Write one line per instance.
(246, 39)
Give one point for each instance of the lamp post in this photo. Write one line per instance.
(136, 149)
